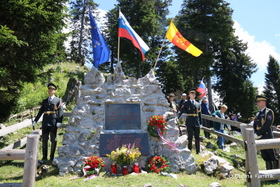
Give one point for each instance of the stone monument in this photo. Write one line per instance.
(118, 108)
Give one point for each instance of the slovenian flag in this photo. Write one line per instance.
(201, 89)
(126, 31)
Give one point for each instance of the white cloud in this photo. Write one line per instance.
(258, 51)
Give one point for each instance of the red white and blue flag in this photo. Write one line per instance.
(126, 31)
(201, 89)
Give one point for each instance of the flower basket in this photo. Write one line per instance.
(157, 164)
(93, 165)
(154, 123)
(124, 155)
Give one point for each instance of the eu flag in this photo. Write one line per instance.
(101, 51)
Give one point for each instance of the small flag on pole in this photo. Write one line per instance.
(175, 37)
(201, 89)
(101, 52)
(126, 31)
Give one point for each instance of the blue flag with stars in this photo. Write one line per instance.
(101, 52)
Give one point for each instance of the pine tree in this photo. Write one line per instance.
(30, 38)
(209, 26)
(272, 88)
(80, 43)
(147, 18)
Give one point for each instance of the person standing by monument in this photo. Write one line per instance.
(172, 103)
(263, 130)
(53, 114)
(205, 110)
(220, 127)
(193, 122)
(181, 102)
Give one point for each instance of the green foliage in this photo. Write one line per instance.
(272, 88)
(209, 26)
(148, 19)
(31, 37)
(80, 44)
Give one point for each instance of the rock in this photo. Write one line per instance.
(210, 165)
(214, 184)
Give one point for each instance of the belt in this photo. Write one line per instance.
(192, 115)
(49, 112)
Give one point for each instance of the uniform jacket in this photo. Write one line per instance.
(52, 106)
(263, 122)
(193, 113)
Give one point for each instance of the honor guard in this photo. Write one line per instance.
(52, 111)
(263, 130)
(193, 121)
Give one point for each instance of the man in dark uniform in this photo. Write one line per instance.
(263, 130)
(53, 114)
(193, 121)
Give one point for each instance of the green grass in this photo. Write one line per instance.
(12, 172)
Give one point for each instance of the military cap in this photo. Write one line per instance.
(192, 91)
(53, 86)
(260, 98)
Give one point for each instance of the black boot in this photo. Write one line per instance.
(53, 147)
(275, 164)
(268, 165)
(45, 149)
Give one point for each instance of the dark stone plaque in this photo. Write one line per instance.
(122, 116)
(110, 142)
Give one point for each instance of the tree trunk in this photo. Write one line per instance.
(72, 90)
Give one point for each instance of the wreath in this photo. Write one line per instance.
(154, 123)
(157, 164)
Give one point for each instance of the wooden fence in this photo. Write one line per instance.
(30, 157)
(254, 176)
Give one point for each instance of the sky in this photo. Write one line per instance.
(256, 22)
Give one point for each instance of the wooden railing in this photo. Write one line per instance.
(30, 157)
(254, 176)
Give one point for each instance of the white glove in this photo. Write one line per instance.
(257, 137)
(58, 124)
(33, 123)
(200, 126)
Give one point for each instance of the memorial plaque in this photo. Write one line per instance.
(110, 142)
(122, 116)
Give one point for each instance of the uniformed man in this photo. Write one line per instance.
(193, 121)
(53, 114)
(263, 130)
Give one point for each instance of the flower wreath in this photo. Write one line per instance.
(157, 164)
(156, 122)
(93, 165)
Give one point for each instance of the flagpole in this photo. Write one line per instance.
(160, 51)
(119, 41)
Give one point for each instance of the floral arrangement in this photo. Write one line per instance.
(157, 164)
(156, 122)
(93, 165)
(124, 155)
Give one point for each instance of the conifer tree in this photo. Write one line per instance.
(30, 38)
(209, 26)
(148, 19)
(272, 88)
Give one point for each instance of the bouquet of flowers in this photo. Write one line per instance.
(125, 155)
(154, 123)
(93, 165)
(157, 164)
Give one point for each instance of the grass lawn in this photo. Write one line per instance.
(12, 172)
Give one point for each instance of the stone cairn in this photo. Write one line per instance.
(88, 117)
